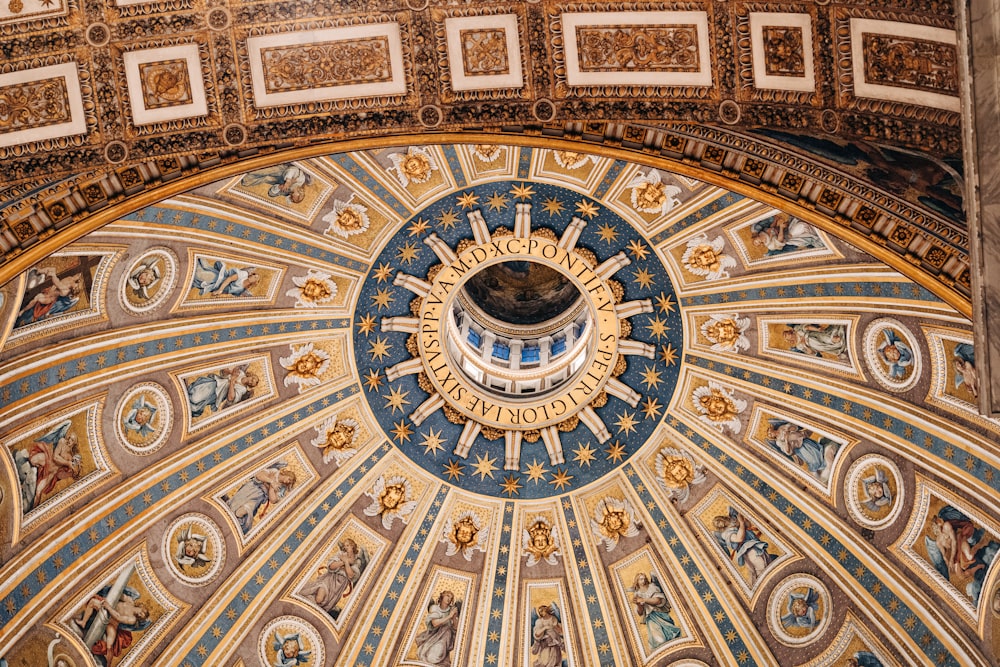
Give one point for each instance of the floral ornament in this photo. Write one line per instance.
(651, 195)
(614, 519)
(487, 152)
(305, 365)
(572, 160)
(705, 258)
(391, 500)
(676, 472)
(540, 542)
(347, 218)
(313, 289)
(727, 333)
(465, 534)
(336, 437)
(718, 408)
(413, 166)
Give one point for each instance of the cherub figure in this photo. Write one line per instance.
(877, 492)
(139, 419)
(391, 499)
(218, 279)
(143, 277)
(802, 609)
(336, 437)
(288, 650)
(60, 294)
(191, 549)
(895, 353)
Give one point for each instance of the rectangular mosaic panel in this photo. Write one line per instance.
(783, 51)
(908, 62)
(165, 84)
(33, 104)
(637, 48)
(484, 52)
(321, 64)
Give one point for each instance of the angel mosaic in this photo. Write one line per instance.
(863, 659)
(111, 618)
(285, 181)
(650, 195)
(706, 258)
(392, 498)
(802, 610)
(818, 340)
(144, 279)
(220, 389)
(650, 604)
(216, 278)
(416, 165)
(144, 418)
(895, 354)
(49, 292)
(964, 363)
(783, 233)
(726, 333)
(313, 289)
(337, 578)
(347, 218)
(804, 447)
(614, 519)
(191, 548)
(742, 542)
(960, 550)
(487, 153)
(677, 472)
(305, 365)
(288, 650)
(465, 534)
(540, 542)
(258, 494)
(718, 407)
(548, 641)
(877, 494)
(45, 465)
(337, 438)
(437, 640)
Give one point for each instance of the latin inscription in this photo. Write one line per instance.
(483, 407)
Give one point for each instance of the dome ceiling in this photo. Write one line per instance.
(226, 417)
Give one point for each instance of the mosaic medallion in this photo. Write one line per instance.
(194, 549)
(509, 327)
(148, 281)
(144, 418)
(799, 610)
(892, 354)
(288, 641)
(874, 491)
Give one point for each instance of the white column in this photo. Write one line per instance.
(440, 248)
(630, 308)
(612, 265)
(572, 234)
(469, 433)
(416, 285)
(404, 324)
(479, 229)
(512, 450)
(621, 390)
(522, 221)
(408, 367)
(434, 403)
(553, 445)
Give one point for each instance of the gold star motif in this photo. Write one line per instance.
(536, 471)
(396, 399)
(379, 349)
(651, 407)
(382, 273)
(511, 485)
(498, 201)
(584, 454)
(626, 423)
(657, 327)
(638, 250)
(453, 470)
(552, 206)
(643, 278)
(522, 191)
(432, 442)
(373, 380)
(366, 324)
(616, 452)
(484, 466)
(665, 303)
(468, 200)
(651, 377)
(382, 298)
(408, 253)
(448, 219)
(586, 209)
(607, 233)
(668, 354)
(560, 479)
(418, 227)
(402, 431)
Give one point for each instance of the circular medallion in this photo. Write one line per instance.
(892, 354)
(799, 610)
(143, 418)
(288, 641)
(518, 340)
(148, 282)
(874, 491)
(194, 549)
